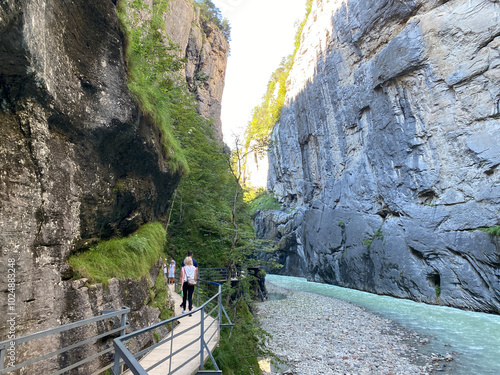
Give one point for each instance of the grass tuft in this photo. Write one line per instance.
(129, 257)
(494, 231)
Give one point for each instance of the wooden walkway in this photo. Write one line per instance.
(152, 362)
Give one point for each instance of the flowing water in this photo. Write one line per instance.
(472, 337)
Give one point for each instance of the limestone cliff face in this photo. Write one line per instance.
(389, 146)
(78, 161)
(205, 47)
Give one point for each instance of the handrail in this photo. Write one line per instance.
(123, 355)
(107, 314)
(221, 273)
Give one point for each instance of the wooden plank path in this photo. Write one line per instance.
(192, 337)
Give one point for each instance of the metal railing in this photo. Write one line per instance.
(12, 344)
(221, 273)
(212, 307)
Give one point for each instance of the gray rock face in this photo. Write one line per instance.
(78, 162)
(206, 50)
(389, 146)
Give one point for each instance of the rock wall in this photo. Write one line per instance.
(206, 49)
(388, 147)
(78, 161)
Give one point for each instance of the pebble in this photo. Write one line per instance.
(314, 334)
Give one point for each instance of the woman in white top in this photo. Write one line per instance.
(171, 273)
(187, 271)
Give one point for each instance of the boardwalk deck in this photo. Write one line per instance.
(154, 362)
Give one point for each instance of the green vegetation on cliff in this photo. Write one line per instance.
(127, 257)
(210, 13)
(268, 113)
(154, 79)
(494, 231)
(240, 348)
(261, 199)
(207, 213)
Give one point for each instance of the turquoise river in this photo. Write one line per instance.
(472, 337)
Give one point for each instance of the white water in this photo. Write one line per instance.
(475, 337)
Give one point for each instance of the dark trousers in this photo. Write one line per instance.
(187, 291)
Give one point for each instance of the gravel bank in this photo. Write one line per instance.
(315, 335)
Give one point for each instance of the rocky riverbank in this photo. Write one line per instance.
(314, 335)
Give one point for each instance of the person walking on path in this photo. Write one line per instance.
(190, 255)
(165, 271)
(171, 272)
(188, 277)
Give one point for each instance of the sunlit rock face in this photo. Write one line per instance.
(78, 162)
(206, 49)
(389, 145)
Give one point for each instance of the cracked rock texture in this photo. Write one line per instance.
(206, 50)
(78, 161)
(389, 146)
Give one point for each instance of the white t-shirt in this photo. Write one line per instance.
(189, 271)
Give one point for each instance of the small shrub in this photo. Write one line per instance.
(264, 200)
(378, 234)
(437, 288)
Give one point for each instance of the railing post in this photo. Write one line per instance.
(202, 337)
(117, 369)
(220, 305)
(171, 347)
(116, 364)
(2, 358)
(123, 323)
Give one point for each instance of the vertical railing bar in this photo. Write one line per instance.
(171, 347)
(123, 323)
(198, 294)
(2, 358)
(220, 304)
(116, 364)
(202, 330)
(117, 368)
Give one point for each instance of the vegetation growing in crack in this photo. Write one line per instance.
(494, 231)
(378, 234)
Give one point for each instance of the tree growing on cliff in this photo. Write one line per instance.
(210, 13)
(268, 113)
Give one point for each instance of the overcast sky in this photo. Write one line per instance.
(262, 33)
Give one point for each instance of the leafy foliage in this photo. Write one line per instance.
(202, 214)
(128, 257)
(241, 347)
(268, 113)
(210, 13)
(261, 199)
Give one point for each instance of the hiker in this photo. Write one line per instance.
(165, 271)
(190, 255)
(171, 272)
(188, 277)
